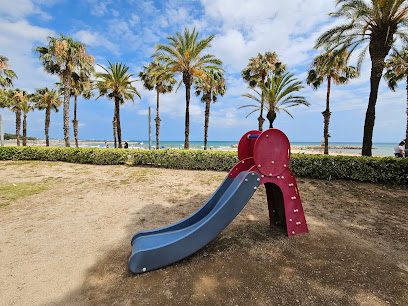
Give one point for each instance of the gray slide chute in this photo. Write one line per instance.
(161, 247)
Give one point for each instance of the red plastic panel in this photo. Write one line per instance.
(272, 152)
(246, 145)
(242, 165)
(295, 217)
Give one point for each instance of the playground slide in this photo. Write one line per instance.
(160, 247)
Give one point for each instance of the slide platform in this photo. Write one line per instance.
(160, 247)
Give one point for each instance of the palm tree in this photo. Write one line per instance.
(211, 84)
(377, 23)
(25, 107)
(116, 84)
(48, 99)
(159, 77)
(397, 70)
(257, 70)
(278, 94)
(184, 55)
(81, 86)
(332, 66)
(14, 99)
(6, 75)
(63, 56)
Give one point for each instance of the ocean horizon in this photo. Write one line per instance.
(379, 148)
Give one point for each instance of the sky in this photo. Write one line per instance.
(127, 31)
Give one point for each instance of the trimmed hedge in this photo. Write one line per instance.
(365, 169)
(360, 168)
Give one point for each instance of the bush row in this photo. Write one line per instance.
(365, 169)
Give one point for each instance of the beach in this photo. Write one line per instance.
(67, 241)
(301, 148)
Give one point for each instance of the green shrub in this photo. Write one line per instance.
(365, 169)
(97, 156)
(185, 159)
(359, 168)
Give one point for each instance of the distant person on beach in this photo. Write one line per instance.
(399, 150)
(126, 146)
(106, 145)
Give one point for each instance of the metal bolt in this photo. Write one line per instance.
(255, 188)
(293, 198)
(273, 210)
(272, 162)
(293, 233)
(270, 174)
(258, 179)
(253, 174)
(290, 220)
(262, 175)
(246, 180)
(259, 166)
(283, 176)
(296, 210)
(290, 185)
(298, 223)
(144, 270)
(243, 162)
(284, 166)
(267, 136)
(278, 177)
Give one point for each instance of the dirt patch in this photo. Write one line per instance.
(69, 244)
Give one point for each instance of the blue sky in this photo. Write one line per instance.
(127, 31)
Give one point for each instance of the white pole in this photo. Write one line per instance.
(1, 132)
(150, 128)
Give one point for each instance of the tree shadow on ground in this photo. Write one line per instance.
(249, 263)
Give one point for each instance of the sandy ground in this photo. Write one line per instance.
(69, 244)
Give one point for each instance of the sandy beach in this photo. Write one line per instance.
(65, 240)
(294, 149)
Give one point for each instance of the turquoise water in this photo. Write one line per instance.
(383, 149)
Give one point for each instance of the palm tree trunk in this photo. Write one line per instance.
(326, 115)
(114, 122)
(47, 124)
(67, 96)
(187, 80)
(75, 122)
(117, 115)
(406, 133)
(157, 120)
(376, 73)
(24, 130)
(18, 125)
(271, 116)
(261, 120)
(380, 46)
(207, 117)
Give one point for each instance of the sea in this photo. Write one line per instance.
(381, 149)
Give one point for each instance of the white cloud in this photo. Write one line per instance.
(99, 8)
(247, 28)
(119, 29)
(18, 40)
(134, 19)
(18, 9)
(95, 39)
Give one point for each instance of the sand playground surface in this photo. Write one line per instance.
(66, 231)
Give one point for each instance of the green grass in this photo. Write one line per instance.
(12, 192)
